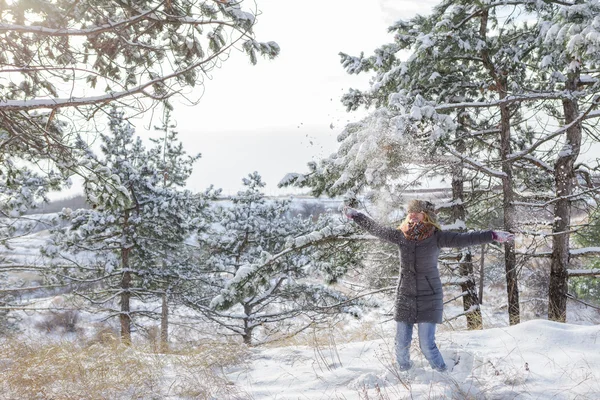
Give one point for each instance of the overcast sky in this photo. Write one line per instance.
(276, 116)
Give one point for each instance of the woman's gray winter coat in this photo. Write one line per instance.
(419, 296)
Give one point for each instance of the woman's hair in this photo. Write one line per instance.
(431, 221)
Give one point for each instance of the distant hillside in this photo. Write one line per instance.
(304, 205)
(74, 203)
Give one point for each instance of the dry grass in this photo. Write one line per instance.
(69, 370)
(199, 371)
(344, 332)
(66, 371)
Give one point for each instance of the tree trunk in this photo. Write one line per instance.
(470, 300)
(481, 275)
(125, 316)
(468, 287)
(247, 335)
(564, 177)
(164, 323)
(510, 257)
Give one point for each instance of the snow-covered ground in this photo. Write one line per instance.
(536, 359)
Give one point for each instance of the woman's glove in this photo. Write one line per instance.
(350, 212)
(501, 236)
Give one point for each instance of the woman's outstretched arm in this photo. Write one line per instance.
(388, 234)
(458, 239)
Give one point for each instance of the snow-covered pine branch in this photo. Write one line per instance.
(141, 89)
(475, 164)
(508, 100)
(586, 251)
(556, 133)
(67, 31)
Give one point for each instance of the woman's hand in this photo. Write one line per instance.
(502, 237)
(350, 212)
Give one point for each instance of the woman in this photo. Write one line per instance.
(419, 297)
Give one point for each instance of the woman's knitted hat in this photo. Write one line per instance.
(417, 206)
(422, 206)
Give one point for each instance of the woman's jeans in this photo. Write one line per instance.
(426, 342)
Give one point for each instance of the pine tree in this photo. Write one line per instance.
(261, 267)
(568, 55)
(179, 259)
(135, 239)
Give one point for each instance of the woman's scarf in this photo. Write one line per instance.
(417, 230)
